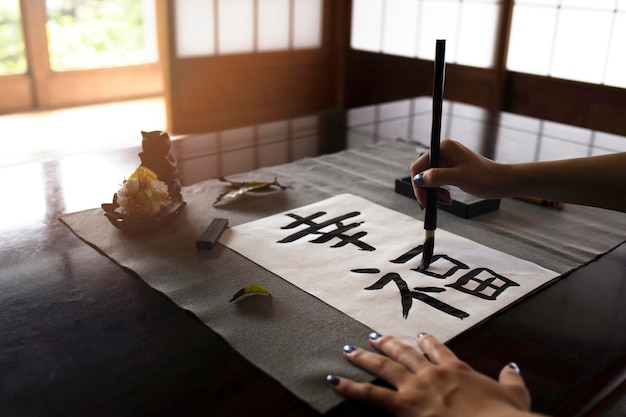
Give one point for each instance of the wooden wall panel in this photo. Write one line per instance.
(376, 78)
(223, 92)
(586, 105)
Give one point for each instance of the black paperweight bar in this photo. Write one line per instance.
(211, 234)
(463, 204)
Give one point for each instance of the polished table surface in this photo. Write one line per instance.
(81, 336)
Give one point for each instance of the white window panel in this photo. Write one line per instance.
(195, 28)
(400, 23)
(246, 26)
(367, 25)
(616, 64)
(581, 54)
(538, 2)
(150, 30)
(596, 4)
(593, 54)
(477, 33)
(411, 27)
(439, 21)
(273, 25)
(236, 26)
(307, 24)
(530, 44)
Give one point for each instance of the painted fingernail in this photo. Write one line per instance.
(514, 367)
(375, 336)
(419, 179)
(349, 348)
(421, 334)
(332, 380)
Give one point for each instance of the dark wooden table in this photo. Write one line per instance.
(81, 336)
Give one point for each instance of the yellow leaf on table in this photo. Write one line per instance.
(250, 290)
(238, 188)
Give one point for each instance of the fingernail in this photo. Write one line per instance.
(375, 336)
(445, 202)
(421, 334)
(332, 380)
(349, 348)
(419, 179)
(514, 367)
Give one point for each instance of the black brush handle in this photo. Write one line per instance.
(430, 218)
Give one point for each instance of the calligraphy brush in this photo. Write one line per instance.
(430, 218)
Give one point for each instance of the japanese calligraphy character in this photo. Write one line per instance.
(407, 296)
(480, 282)
(316, 229)
(456, 265)
(483, 283)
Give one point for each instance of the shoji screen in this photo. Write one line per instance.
(235, 62)
(410, 27)
(547, 38)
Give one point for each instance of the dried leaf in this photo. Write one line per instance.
(250, 290)
(240, 188)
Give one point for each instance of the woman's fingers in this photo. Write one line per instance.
(422, 177)
(510, 377)
(437, 352)
(443, 195)
(363, 391)
(398, 359)
(379, 365)
(406, 355)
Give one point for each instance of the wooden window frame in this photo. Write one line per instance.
(42, 88)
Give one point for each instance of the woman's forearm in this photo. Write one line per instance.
(598, 181)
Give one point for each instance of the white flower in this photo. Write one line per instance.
(142, 194)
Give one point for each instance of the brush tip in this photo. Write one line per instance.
(427, 253)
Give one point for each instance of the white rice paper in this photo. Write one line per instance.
(466, 283)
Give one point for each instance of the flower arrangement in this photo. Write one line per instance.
(142, 194)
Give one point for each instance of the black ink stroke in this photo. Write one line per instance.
(339, 232)
(407, 296)
(495, 283)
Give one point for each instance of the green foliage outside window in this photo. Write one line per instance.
(82, 34)
(12, 55)
(96, 33)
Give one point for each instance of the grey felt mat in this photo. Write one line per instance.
(292, 336)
